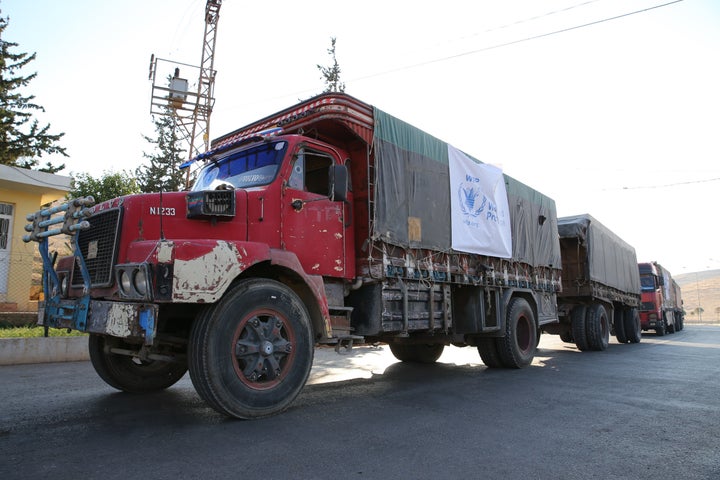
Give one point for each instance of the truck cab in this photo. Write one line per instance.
(654, 312)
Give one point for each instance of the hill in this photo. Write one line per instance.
(700, 289)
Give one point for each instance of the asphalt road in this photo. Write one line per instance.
(646, 411)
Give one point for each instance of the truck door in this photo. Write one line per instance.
(313, 225)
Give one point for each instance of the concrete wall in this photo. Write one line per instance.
(16, 351)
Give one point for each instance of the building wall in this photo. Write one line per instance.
(21, 254)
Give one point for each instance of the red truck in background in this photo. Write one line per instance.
(662, 307)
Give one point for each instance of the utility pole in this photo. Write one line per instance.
(190, 110)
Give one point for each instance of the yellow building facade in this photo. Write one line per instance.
(22, 192)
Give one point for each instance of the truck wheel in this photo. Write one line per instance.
(660, 331)
(669, 328)
(251, 353)
(517, 348)
(487, 348)
(417, 352)
(130, 374)
(579, 330)
(598, 327)
(621, 333)
(631, 318)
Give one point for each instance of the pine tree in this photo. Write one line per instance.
(331, 74)
(162, 172)
(22, 139)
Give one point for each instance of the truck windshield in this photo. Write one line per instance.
(647, 282)
(245, 168)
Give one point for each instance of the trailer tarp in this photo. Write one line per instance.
(413, 198)
(611, 261)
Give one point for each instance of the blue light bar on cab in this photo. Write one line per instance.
(270, 132)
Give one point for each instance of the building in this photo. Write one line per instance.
(22, 191)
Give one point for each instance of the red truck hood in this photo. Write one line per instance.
(153, 216)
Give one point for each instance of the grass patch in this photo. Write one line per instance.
(29, 332)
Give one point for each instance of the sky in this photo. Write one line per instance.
(610, 107)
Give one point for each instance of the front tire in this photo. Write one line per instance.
(128, 373)
(251, 353)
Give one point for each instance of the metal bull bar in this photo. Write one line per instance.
(53, 311)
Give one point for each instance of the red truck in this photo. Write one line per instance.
(662, 308)
(330, 222)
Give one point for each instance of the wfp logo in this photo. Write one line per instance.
(470, 202)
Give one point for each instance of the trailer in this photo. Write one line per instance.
(328, 223)
(600, 286)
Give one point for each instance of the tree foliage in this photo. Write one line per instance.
(331, 74)
(162, 172)
(22, 140)
(108, 186)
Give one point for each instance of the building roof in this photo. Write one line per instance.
(33, 181)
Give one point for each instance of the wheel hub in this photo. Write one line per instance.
(263, 349)
(266, 348)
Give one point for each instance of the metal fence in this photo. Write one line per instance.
(20, 279)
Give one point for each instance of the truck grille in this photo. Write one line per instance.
(98, 245)
(647, 307)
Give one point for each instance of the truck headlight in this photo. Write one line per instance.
(140, 282)
(125, 283)
(133, 281)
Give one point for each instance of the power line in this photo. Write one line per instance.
(651, 187)
(514, 42)
(690, 182)
(513, 24)
(485, 49)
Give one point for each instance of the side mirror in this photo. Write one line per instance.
(339, 186)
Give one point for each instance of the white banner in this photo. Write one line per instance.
(479, 207)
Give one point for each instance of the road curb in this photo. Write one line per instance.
(18, 351)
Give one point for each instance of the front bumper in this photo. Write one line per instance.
(127, 320)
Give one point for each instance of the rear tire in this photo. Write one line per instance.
(417, 352)
(487, 348)
(567, 337)
(621, 333)
(517, 348)
(579, 330)
(633, 331)
(250, 354)
(598, 327)
(669, 328)
(680, 321)
(660, 331)
(131, 374)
